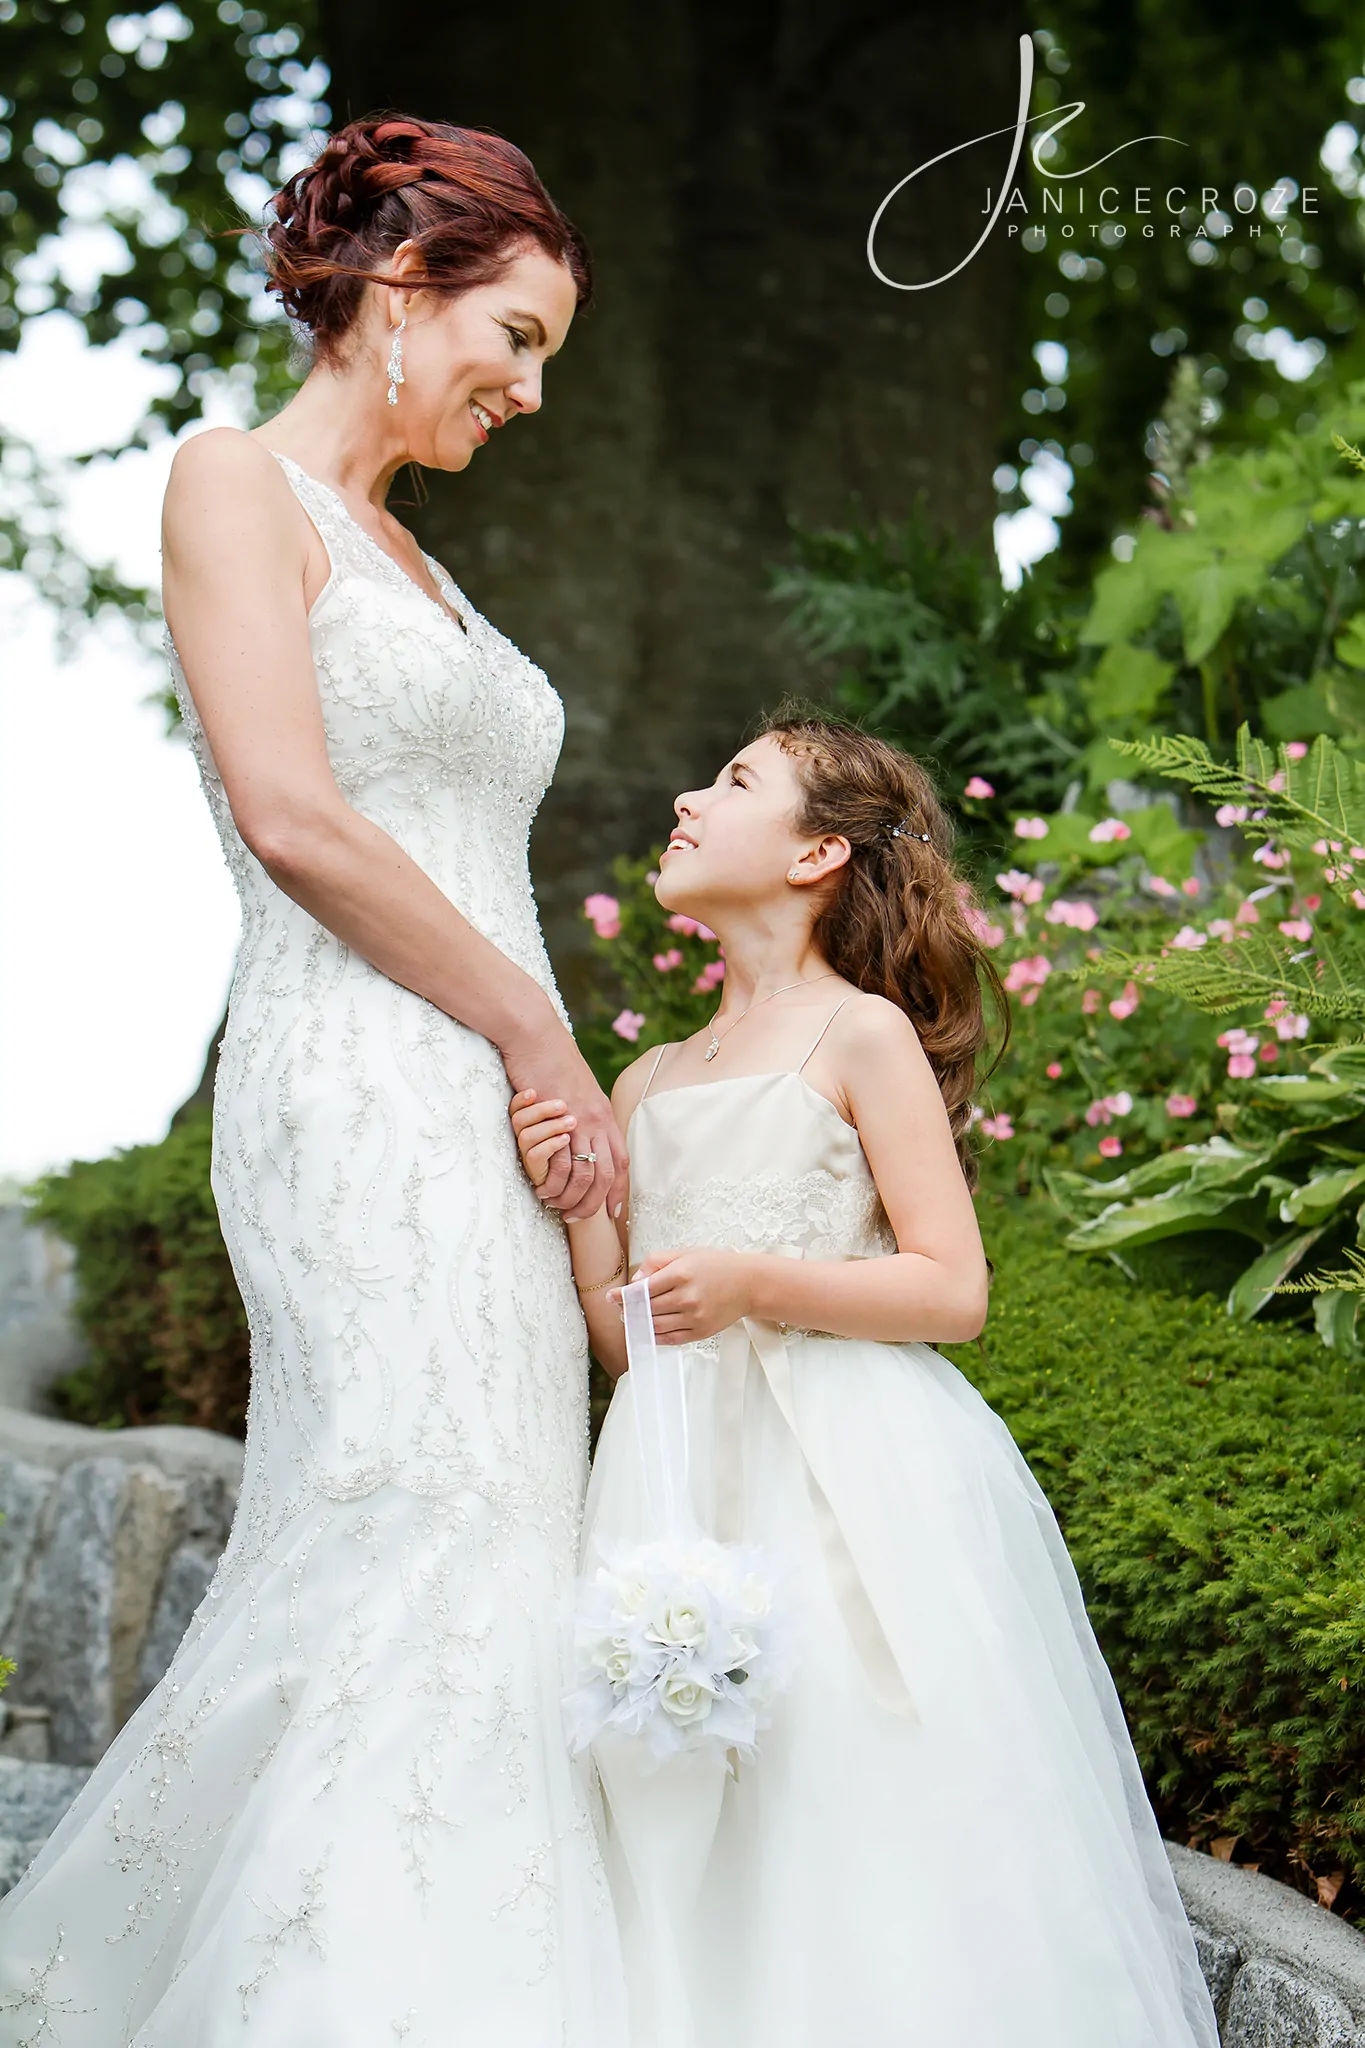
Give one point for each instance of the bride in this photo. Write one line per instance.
(346, 1818)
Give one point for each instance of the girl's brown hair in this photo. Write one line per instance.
(467, 199)
(900, 921)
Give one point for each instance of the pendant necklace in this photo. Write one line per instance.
(714, 1047)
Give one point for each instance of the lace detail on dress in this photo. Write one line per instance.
(828, 1215)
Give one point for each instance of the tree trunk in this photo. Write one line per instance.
(742, 364)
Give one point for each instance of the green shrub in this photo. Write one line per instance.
(155, 1294)
(1207, 1478)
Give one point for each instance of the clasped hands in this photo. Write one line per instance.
(693, 1293)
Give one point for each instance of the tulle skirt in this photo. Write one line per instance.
(982, 1872)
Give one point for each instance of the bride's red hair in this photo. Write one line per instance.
(467, 199)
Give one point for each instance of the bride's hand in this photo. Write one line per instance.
(694, 1294)
(551, 1064)
(543, 1131)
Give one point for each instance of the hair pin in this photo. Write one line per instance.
(903, 831)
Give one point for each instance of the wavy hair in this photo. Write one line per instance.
(900, 921)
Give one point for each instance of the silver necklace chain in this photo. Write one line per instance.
(714, 1047)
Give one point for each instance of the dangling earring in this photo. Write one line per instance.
(396, 376)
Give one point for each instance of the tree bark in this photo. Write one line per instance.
(742, 365)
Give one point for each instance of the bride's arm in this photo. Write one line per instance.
(599, 1246)
(235, 551)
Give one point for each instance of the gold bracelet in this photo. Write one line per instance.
(611, 1278)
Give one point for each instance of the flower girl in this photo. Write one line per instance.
(943, 1838)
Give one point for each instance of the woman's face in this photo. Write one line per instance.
(736, 842)
(472, 363)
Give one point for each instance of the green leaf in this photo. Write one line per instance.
(1350, 643)
(1128, 683)
(1336, 1312)
(1255, 1287)
(1318, 1200)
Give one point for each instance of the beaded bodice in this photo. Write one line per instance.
(445, 736)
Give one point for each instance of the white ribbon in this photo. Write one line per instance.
(660, 1403)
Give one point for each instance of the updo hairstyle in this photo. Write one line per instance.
(468, 200)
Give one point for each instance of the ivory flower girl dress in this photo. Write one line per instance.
(944, 1840)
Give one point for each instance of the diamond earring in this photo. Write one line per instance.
(792, 875)
(396, 376)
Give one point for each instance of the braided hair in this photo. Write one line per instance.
(468, 200)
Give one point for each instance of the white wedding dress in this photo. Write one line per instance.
(347, 1817)
(944, 1840)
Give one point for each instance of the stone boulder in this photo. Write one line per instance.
(109, 1540)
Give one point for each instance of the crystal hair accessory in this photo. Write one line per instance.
(395, 366)
(903, 831)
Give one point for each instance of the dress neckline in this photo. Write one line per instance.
(395, 568)
(734, 1081)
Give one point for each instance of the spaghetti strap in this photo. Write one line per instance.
(819, 1035)
(653, 1071)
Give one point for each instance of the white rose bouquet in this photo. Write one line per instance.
(678, 1643)
(679, 1640)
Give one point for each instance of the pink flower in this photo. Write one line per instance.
(1276, 781)
(1108, 1107)
(1246, 913)
(978, 786)
(1014, 882)
(1268, 857)
(1090, 1002)
(1111, 1147)
(1232, 814)
(1222, 928)
(1289, 1026)
(1312, 903)
(1083, 917)
(1241, 1066)
(1031, 972)
(710, 977)
(1109, 828)
(1124, 1005)
(1296, 749)
(1269, 1052)
(665, 962)
(652, 877)
(1181, 1105)
(1296, 928)
(1358, 898)
(998, 1126)
(1159, 886)
(1054, 1070)
(1190, 886)
(1030, 828)
(629, 1024)
(1028, 996)
(989, 934)
(688, 928)
(604, 915)
(1189, 940)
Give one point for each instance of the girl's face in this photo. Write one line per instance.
(472, 363)
(736, 842)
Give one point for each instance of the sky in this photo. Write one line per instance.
(118, 922)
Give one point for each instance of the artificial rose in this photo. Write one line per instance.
(684, 1700)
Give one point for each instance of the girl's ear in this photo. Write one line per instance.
(819, 862)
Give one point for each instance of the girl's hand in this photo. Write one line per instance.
(544, 1130)
(694, 1294)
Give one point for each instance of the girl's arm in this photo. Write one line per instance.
(933, 1290)
(237, 553)
(598, 1245)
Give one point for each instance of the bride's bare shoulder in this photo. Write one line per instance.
(225, 483)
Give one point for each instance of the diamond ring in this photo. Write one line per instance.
(588, 1158)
